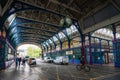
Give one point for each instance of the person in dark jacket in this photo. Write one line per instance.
(82, 60)
(19, 60)
(23, 61)
(16, 62)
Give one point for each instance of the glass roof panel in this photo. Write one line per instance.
(55, 39)
(11, 18)
(61, 35)
(104, 33)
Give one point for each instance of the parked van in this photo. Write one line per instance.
(61, 60)
(48, 59)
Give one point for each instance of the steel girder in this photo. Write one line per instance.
(19, 20)
(46, 46)
(49, 44)
(58, 37)
(67, 36)
(22, 21)
(53, 42)
(35, 39)
(29, 34)
(33, 29)
(26, 39)
(20, 6)
(24, 29)
(22, 33)
(17, 6)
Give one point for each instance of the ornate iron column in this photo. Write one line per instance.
(2, 48)
(90, 48)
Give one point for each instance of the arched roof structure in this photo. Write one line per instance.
(39, 20)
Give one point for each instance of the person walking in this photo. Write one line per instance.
(82, 60)
(19, 60)
(16, 62)
(23, 61)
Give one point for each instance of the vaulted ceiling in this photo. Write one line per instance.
(38, 20)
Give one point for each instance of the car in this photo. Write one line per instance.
(26, 58)
(61, 60)
(32, 61)
(48, 59)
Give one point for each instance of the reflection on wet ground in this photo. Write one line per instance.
(46, 71)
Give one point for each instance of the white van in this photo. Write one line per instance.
(48, 59)
(61, 60)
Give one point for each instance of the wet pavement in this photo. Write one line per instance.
(47, 71)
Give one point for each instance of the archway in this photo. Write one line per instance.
(30, 50)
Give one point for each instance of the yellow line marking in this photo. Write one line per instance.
(57, 73)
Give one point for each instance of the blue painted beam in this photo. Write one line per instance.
(15, 35)
(82, 36)
(17, 6)
(67, 36)
(23, 6)
(78, 28)
(19, 34)
(43, 47)
(49, 45)
(18, 21)
(27, 40)
(23, 36)
(35, 39)
(22, 31)
(36, 29)
(25, 33)
(53, 42)
(46, 46)
(58, 37)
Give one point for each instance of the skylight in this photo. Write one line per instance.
(11, 18)
(105, 33)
